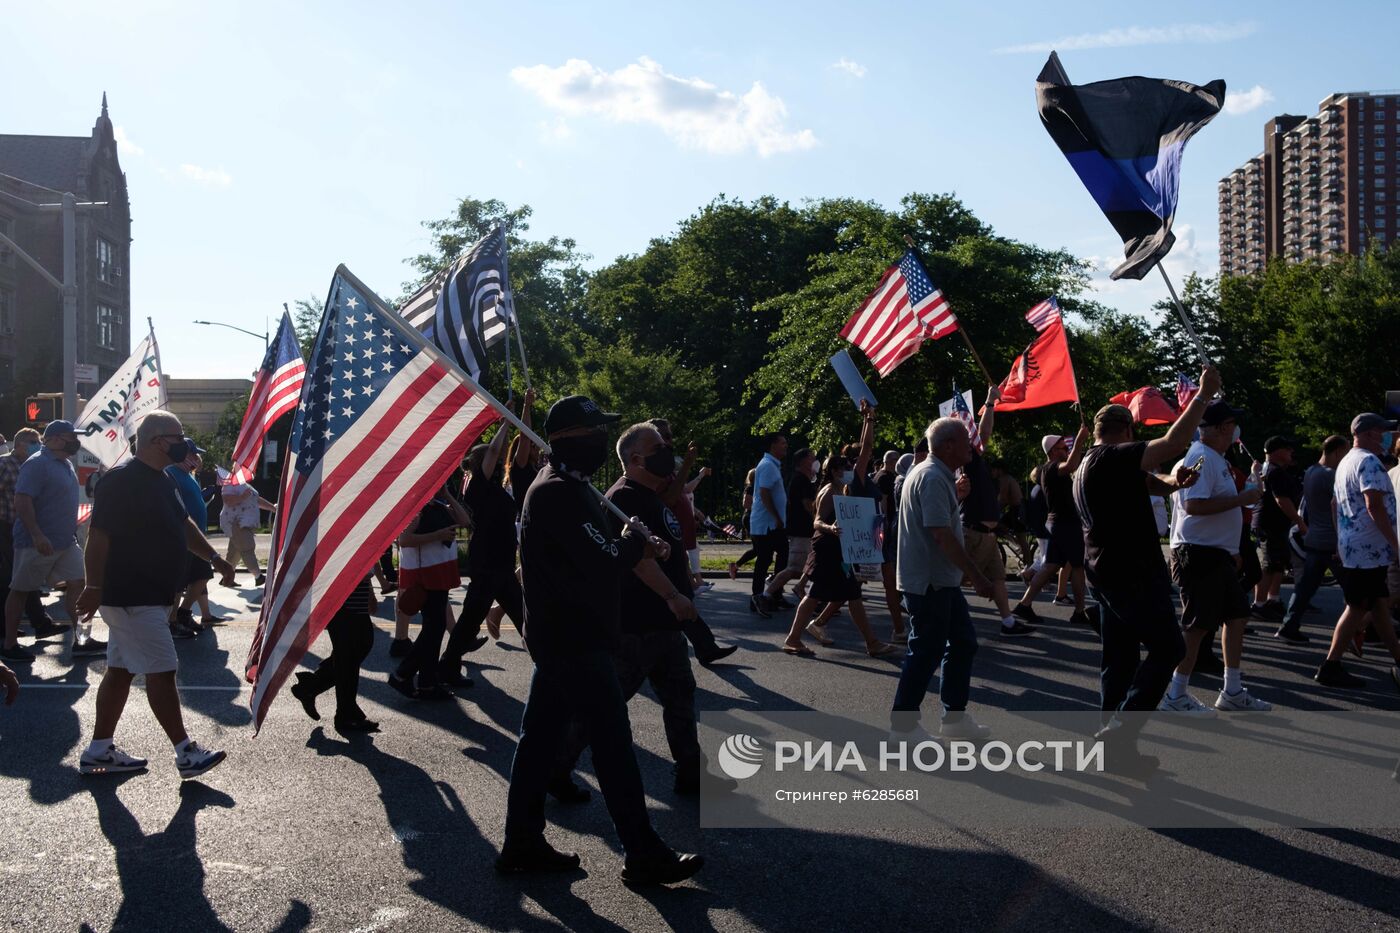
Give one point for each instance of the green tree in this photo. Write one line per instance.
(306, 321)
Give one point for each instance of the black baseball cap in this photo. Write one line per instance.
(1277, 442)
(577, 411)
(1366, 421)
(1219, 412)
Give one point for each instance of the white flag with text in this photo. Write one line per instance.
(108, 423)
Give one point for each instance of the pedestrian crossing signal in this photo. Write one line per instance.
(39, 411)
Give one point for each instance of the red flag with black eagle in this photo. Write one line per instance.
(1043, 375)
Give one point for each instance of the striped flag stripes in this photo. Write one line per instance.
(904, 310)
(275, 392)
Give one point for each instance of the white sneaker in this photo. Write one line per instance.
(1187, 704)
(819, 633)
(1242, 701)
(195, 761)
(965, 727)
(112, 761)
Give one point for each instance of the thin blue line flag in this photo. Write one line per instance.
(1125, 138)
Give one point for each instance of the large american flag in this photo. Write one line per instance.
(1044, 314)
(964, 414)
(275, 392)
(464, 308)
(383, 420)
(904, 310)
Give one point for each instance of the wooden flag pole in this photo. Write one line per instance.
(962, 332)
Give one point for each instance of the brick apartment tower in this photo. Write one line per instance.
(1323, 184)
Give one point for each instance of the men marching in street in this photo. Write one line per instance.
(1066, 544)
(1277, 517)
(1205, 537)
(1319, 541)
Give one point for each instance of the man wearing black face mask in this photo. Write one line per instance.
(573, 567)
(45, 535)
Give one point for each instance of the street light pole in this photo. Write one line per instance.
(70, 306)
(264, 335)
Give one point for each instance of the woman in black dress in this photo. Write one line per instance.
(832, 581)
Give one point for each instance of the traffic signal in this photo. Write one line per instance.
(40, 410)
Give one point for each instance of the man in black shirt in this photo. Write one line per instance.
(656, 600)
(1123, 559)
(137, 556)
(572, 569)
(1277, 516)
(1066, 537)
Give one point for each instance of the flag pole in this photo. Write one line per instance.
(509, 300)
(962, 330)
(1186, 321)
(421, 343)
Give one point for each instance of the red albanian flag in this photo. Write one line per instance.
(1148, 405)
(1043, 375)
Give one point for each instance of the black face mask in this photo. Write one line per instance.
(178, 451)
(661, 462)
(72, 447)
(581, 454)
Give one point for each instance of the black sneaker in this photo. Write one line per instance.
(179, 631)
(1259, 611)
(1292, 635)
(403, 685)
(1026, 614)
(89, 648)
(454, 677)
(391, 587)
(303, 692)
(538, 858)
(262, 578)
(345, 726)
(1064, 601)
(477, 643)
(670, 868)
(399, 647)
(719, 655)
(760, 605)
(1332, 674)
(566, 791)
(1017, 629)
(16, 654)
(1083, 618)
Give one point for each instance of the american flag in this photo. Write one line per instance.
(730, 529)
(1044, 314)
(275, 392)
(464, 308)
(1185, 391)
(904, 310)
(383, 420)
(964, 414)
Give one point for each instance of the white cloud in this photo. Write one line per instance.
(855, 69)
(213, 177)
(1238, 102)
(691, 111)
(1131, 295)
(1140, 35)
(555, 131)
(124, 143)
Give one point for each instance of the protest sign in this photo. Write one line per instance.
(862, 531)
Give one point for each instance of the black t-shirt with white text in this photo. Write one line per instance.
(1120, 529)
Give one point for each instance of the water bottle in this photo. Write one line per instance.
(82, 631)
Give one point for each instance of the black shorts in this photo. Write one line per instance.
(1362, 586)
(198, 571)
(1211, 592)
(1274, 553)
(1066, 545)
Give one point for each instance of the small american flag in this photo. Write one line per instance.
(904, 310)
(1044, 314)
(731, 530)
(964, 414)
(275, 392)
(383, 420)
(1185, 391)
(464, 309)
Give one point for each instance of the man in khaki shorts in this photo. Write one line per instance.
(45, 534)
(137, 558)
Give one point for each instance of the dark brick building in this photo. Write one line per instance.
(1324, 184)
(38, 170)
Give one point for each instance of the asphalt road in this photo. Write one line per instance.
(303, 830)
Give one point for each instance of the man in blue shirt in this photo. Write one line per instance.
(182, 623)
(45, 535)
(767, 525)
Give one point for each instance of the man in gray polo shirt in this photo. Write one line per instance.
(45, 535)
(929, 572)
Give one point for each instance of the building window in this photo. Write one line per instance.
(7, 312)
(109, 325)
(107, 269)
(1380, 223)
(7, 227)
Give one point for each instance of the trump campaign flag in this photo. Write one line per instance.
(108, 421)
(1124, 138)
(1042, 375)
(383, 419)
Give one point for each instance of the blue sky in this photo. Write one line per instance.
(265, 143)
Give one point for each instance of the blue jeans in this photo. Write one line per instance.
(940, 632)
(583, 686)
(1315, 564)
